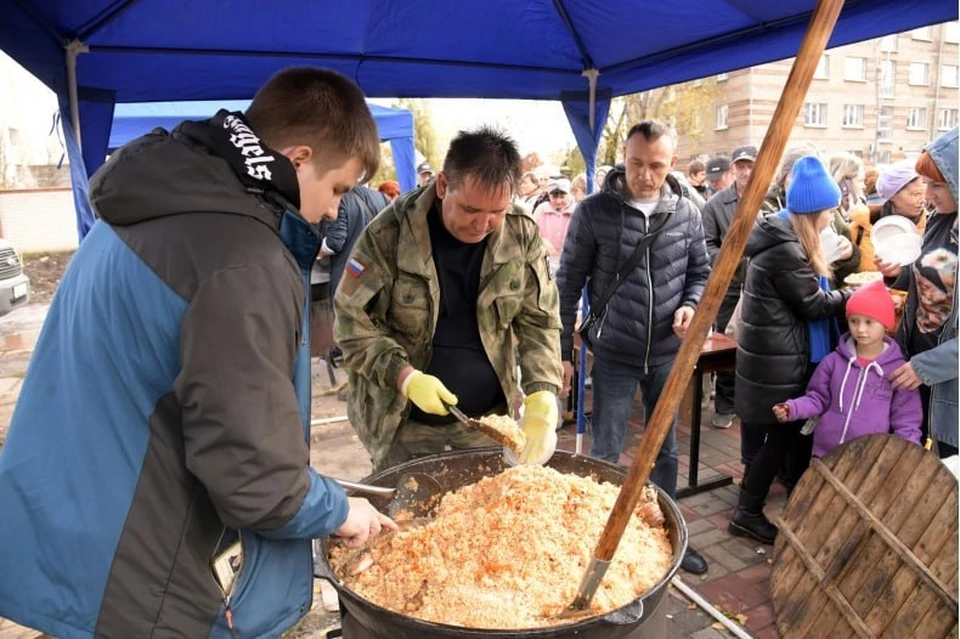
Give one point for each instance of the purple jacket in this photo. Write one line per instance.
(853, 401)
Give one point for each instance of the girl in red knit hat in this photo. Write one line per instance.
(850, 393)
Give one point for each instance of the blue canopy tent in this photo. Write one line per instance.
(133, 120)
(97, 53)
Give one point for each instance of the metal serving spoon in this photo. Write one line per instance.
(416, 495)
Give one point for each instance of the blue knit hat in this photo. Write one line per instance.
(811, 188)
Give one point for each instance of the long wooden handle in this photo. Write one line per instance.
(784, 119)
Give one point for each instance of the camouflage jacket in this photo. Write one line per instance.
(387, 308)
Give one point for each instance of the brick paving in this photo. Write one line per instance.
(738, 581)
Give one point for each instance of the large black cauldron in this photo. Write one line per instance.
(456, 469)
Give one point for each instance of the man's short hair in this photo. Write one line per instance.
(321, 109)
(653, 130)
(489, 155)
(696, 166)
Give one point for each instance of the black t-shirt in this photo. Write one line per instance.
(459, 360)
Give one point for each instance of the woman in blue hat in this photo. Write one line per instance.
(786, 328)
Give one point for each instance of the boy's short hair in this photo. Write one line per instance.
(321, 109)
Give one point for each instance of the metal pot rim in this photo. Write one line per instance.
(671, 511)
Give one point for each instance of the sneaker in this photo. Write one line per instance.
(722, 421)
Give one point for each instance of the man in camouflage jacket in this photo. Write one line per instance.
(389, 306)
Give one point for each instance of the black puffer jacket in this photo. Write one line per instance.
(781, 293)
(637, 326)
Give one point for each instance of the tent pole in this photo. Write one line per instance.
(591, 75)
(73, 49)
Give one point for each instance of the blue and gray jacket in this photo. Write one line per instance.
(166, 409)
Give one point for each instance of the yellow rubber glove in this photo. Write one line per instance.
(539, 424)
(427, 392)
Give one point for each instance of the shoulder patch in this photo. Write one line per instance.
(355, 267)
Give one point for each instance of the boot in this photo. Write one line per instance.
(749, 521)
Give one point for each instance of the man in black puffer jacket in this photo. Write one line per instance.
(638, 335)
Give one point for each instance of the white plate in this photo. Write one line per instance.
(899, 249)
(892, 225)
(19, 290)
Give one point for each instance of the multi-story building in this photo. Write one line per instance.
(880, 99)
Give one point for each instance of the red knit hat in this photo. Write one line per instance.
(873, 301)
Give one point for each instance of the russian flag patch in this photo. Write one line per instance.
(355, 268)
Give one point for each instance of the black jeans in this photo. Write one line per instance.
(751, 440)
(723, 404)
(785, 448)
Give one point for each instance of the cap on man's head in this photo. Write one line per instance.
(746, 152)
(562, 184)
(716, 167)
(424, 168)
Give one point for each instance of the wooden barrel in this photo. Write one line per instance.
(868, 546)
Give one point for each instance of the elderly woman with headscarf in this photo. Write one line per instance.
(902, 192)
(928, 331)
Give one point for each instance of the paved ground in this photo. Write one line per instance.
(738, 580)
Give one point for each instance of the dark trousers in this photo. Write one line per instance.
(723, 404)
(784, 447)
(751, 440)
(614, 387)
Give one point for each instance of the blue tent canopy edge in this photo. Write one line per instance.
(133, 120)
(537, 49)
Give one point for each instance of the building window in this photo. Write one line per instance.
(816, 114)
(923, 33)
(885, 123)
(948, 119)
(823, 68)
(721, 117)
(723, 77)
(951, 32)
(919, 72)
(855, 69)
(888, 43)
(917, 118)
(883, 157)
(948, 75)
(888, 77)
(853, 116)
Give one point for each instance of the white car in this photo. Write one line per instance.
(14, 285)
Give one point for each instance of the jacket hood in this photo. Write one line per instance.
(163, 174)
(615, 184)
(769, 232)
(890, 359)
(943, 150)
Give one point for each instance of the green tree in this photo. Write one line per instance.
(682, 105)
(387, 170)
(571, 162)
(424, 135)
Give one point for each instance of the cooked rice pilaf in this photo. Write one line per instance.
(509, 552)
(505, 431)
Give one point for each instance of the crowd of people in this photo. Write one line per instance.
(160, 441)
